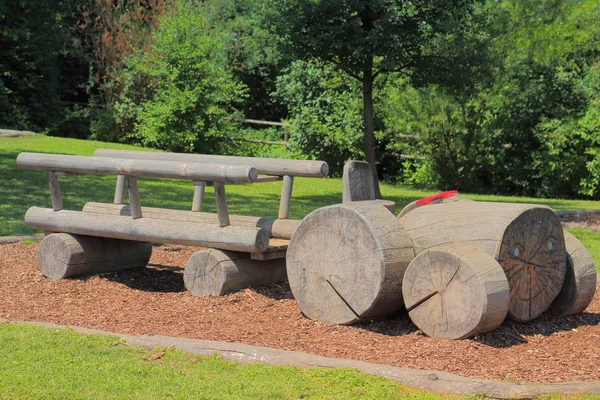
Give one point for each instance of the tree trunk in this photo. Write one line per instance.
(369, 137)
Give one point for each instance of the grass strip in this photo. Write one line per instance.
(43, 363)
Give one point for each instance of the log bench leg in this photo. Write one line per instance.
(213, 272)
(63, 255)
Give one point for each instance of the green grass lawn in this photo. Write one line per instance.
(21, 189)
(41, 363)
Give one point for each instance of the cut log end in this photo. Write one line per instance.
(345, 263)
(455, 292)
(214, 272)
(64, 255)
(532, 254)
(580, 280)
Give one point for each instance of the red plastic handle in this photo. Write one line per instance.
(437, 196)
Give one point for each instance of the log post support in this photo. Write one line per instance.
(221, 200)
(286, 197)
(64, 255)
(57, 203)
(213, 272)
(199, 187)
(134, 197)
(120, 189)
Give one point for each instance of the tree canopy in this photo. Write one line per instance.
(481, 96)
(365, 39)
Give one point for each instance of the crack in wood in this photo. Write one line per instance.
(423, 300)
(343, 299)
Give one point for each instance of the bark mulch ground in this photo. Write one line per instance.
(153, 300)
(590, 219)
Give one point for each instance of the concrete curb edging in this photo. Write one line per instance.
(435, 381)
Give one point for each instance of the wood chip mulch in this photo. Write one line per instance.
(587, 218)
(153, 300)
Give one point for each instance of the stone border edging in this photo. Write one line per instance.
(12, 133)
(16, 239)
(434, 381)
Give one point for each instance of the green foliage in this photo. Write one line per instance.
(365, 39)
(191, 89)
(359, 35)
(252, 52)
(43, 67)
(524, 122)
(39, 362)
(568, 160)
(325, 112)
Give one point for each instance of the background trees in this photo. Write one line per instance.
(43, 66)
(365, 39)
(487, 96)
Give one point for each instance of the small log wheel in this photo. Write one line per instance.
(345, 263)
(455, 291)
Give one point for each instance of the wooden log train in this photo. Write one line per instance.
(459, 267)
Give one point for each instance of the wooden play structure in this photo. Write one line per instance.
(459, 267)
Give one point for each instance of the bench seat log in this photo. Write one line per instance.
(146, 168)
(276, 228)
(64, 255)
(235, 238)
(213, 272)
(267, 166)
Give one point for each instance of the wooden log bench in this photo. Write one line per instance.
(107, 237)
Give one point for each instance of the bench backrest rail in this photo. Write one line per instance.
(274, 168)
